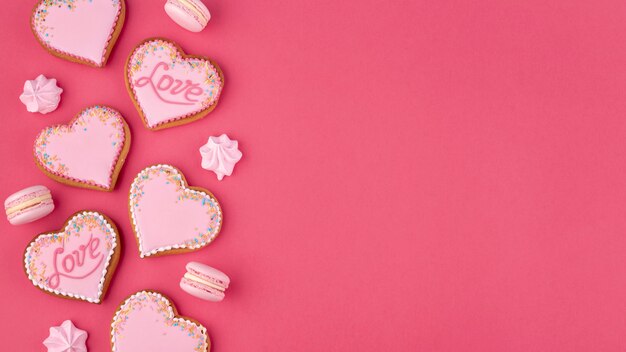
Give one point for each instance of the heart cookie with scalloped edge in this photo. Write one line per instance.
(77, 261)
(170, 88)
(89, 152)
(82, 31)
(169, 217)
(148, 321)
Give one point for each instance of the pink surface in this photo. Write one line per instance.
(472, 154)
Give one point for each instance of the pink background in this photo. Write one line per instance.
(417, 175)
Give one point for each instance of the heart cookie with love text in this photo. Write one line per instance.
(169, 217)
(82, 31)
(78, 261)
(148, 321)
(170, 88)
(89, 152)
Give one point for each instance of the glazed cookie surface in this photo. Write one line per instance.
(82, 31)
(89, 152)
(148, 321)
(170, 88)
(168, 216)
(77, 261)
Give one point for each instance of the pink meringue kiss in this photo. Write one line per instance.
(66, 338)
(41, 95)
(220, 155)
(192, 15)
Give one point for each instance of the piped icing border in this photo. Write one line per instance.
(176, 176)
(166, 307)
(44, 162)
(56, 235)
(116, 29)
(133, 64)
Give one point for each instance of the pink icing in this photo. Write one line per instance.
(78, 28)
(168, 87)
(146, 322)
(167, 215)
(74, 262)
(87, 151)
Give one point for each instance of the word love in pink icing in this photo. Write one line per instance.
(77, 261)
(162, 84)
(171, 88)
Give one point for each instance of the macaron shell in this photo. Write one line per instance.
(208, 273)
(201, 291)
(26, 192)
(184, 17)
(31, 214)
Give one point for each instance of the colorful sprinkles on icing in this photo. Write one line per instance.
(167, 57)
(103, 115)
(156, 302)
(173, 176)
(40, 274)
(46, 32)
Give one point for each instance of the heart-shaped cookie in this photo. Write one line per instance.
(167, 216)
(170, 88)
(89, 152)
(148, 321)
(82, 31)
(77, 261)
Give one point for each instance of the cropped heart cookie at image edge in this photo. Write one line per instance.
(79, 30)
(169, 217)
(78, 261)
(171, 88)
(148, 321)
(89, 152)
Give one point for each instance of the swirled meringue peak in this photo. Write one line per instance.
(66, 338)
(220, 155)
(41, 95)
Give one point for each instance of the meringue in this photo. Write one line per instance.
(41, 95)
(220, 155)
(66, 338)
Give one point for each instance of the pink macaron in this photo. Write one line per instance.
(189, 14)
(28, 205)
(204, 282)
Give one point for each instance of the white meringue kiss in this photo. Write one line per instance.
(220, 155)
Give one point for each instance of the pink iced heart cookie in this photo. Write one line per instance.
(77, 261)
(89, 152)
(170, 88)
(167, 216)
(148, 321)
(82, 31)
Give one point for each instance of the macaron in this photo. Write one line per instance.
(29, 204)
(204, 282)
(189, 14)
